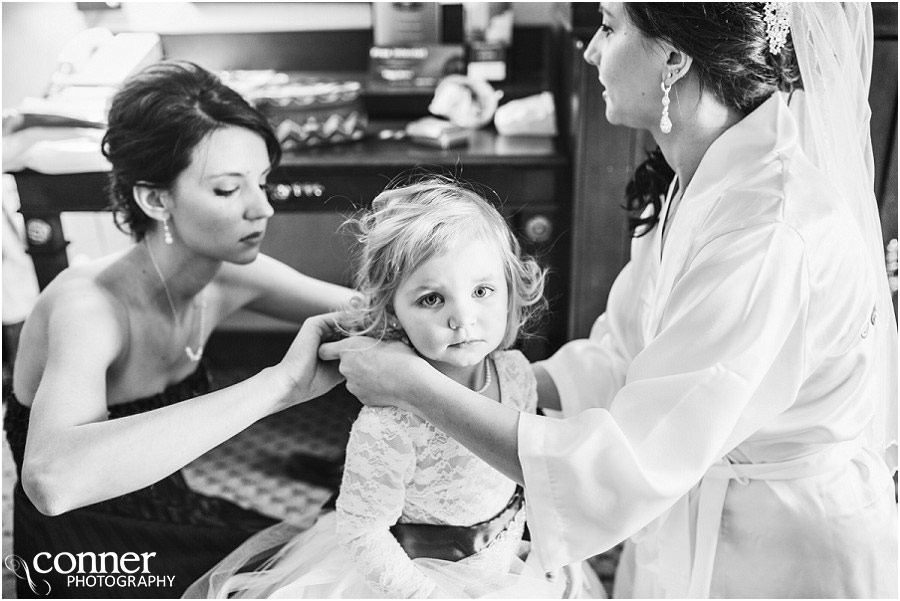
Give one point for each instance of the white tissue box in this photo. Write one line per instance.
(531, 116)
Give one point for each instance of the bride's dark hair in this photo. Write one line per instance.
(730, 50)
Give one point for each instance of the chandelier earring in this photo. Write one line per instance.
(167, 232)
(665, 124)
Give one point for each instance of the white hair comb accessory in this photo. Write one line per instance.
(778, 24)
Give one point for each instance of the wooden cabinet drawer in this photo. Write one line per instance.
(307, 189)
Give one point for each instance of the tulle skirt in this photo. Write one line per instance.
(284, 562)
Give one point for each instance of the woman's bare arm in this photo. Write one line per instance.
(75, 456)
(270, 287)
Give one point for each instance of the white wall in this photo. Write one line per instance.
(33, 35)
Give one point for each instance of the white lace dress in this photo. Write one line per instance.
(399, 468)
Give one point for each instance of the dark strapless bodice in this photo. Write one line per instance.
(190, 532)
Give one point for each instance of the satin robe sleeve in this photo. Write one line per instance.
(589, 372)
(714, 373)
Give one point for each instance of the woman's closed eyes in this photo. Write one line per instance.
(226, 192)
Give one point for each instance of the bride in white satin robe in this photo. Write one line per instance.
(732, 341)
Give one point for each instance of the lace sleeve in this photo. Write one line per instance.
(517, 378)
(380, 462)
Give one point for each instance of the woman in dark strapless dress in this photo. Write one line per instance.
(103, 414)
(188, 531)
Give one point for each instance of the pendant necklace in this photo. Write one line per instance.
(487, 376)
(191, 353)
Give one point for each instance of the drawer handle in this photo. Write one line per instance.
(538, 228)
(296, 191)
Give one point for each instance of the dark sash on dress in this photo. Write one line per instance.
(453, 543)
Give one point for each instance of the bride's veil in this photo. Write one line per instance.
(833, 42)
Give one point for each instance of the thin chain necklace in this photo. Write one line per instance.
(191, 353)
(487, 376)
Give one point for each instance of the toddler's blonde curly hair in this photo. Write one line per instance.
(410, 224)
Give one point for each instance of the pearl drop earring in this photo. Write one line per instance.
(167, 233)
(665, 124)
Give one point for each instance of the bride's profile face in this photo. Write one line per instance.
(630, 67)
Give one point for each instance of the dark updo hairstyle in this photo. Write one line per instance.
(156, 120)
(730, 48)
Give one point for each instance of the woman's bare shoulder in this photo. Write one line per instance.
(96, 295)
(75, 316)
